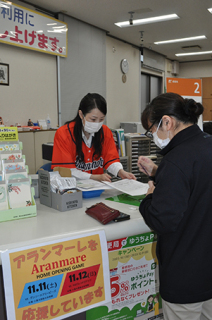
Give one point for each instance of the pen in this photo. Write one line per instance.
(144, 169)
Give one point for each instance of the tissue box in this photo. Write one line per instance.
(64, 202)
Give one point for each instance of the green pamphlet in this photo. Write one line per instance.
(126, 198)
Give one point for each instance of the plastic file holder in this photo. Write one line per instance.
(136, 146)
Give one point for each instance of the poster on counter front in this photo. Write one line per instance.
(134, 281)
(56, 279)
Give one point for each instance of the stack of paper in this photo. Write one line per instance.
(91, 185)
(131, 187)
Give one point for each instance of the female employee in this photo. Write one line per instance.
(178, 206)
(86, 146)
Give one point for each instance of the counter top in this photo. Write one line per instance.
(36, 130)
(51, 224)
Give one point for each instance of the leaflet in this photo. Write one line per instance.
(129, 186)
(91, 185)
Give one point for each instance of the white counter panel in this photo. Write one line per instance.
(50, 224)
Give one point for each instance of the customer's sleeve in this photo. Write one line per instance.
(164, 209)
(64, 149)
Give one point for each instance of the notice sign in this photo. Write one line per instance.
(8, 133)
(134, 281)
(57, 279)
(29, 29)
(188, 89)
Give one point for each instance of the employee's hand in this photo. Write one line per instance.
(101, 177)
(126, 175)
(147, 166)
(151, 187)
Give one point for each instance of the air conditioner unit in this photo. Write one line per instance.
(175, 67)
(168, 66)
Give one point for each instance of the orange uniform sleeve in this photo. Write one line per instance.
(64, 150)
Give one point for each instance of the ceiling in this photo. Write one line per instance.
(195, 20)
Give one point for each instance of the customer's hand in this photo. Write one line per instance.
(147, 166)
(126, 175)
(151, 187)
(101, 177)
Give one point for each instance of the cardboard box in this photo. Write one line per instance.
(64, 172)
(65, 202)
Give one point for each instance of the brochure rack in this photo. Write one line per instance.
(19, 213)
(11, 145)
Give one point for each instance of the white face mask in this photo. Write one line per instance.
(161, 143)
(92, 127)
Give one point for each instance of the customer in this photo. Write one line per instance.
(207, 127)
(178, 206)
(86, 146)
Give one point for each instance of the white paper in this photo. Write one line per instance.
(19, 192)
(9, 145)
(11, 155)
(15, 174)
(91, 185)
(3, 196)
(129, 186)
(13, 165)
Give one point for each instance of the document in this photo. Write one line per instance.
(131, 187)
(91, 185)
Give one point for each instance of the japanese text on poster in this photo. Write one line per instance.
(134, 281)
(8, 133)
(27, 28)
(56, 279)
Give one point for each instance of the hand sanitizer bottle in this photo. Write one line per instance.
(48, 121)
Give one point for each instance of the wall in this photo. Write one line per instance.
(84, 70)
(123, 98)
(198, 69)
(32, 90)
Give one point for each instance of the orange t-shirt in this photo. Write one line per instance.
(64, 151)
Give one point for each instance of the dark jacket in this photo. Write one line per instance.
(180, 211)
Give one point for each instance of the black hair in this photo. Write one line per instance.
(89, 102)
(207, 127)
(171, 104)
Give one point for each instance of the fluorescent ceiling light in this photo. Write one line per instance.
(210, 10)
(181, 40)
(192, 53)
(3, 5)
(147, 20)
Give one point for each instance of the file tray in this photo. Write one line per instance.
(19, 213)
(61, 202)
(92, 194)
